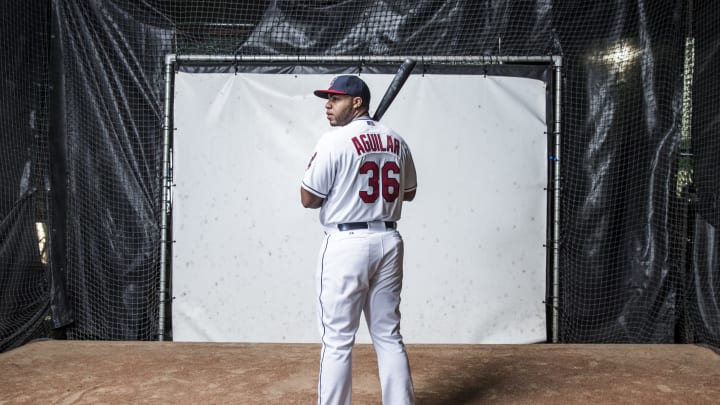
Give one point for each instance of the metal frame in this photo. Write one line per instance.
(172, 60)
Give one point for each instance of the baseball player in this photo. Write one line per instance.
(359, 175)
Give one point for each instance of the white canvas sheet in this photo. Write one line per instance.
(245, 253)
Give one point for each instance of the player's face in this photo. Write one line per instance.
(340, 109)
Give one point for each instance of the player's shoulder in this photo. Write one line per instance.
(392, 132)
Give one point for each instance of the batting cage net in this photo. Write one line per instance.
(82, 164)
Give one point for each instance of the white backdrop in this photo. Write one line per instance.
(245, 253)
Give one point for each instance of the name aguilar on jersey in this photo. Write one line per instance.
(366, 143)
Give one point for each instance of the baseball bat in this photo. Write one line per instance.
(402, 74)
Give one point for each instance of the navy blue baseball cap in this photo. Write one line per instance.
(348, 85)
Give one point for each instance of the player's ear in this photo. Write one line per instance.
(358, 103)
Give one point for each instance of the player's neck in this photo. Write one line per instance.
(362, 117)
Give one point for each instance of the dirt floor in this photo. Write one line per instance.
(80, 372)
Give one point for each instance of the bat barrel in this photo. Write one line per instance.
(392, 91)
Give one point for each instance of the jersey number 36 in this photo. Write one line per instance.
(381, 180)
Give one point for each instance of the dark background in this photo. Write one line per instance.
(81, 147)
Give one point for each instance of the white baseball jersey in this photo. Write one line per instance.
(362, 171)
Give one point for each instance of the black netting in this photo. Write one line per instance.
(24, 290)
(81, 146)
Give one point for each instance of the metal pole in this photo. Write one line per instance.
(557, 66)
(239, 59)
(166, 192)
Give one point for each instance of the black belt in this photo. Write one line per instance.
(349, 226)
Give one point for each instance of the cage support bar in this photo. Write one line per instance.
(172, 59)
(478, 60)
(555, 227)
(165, 235)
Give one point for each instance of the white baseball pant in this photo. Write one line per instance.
(361, 271)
